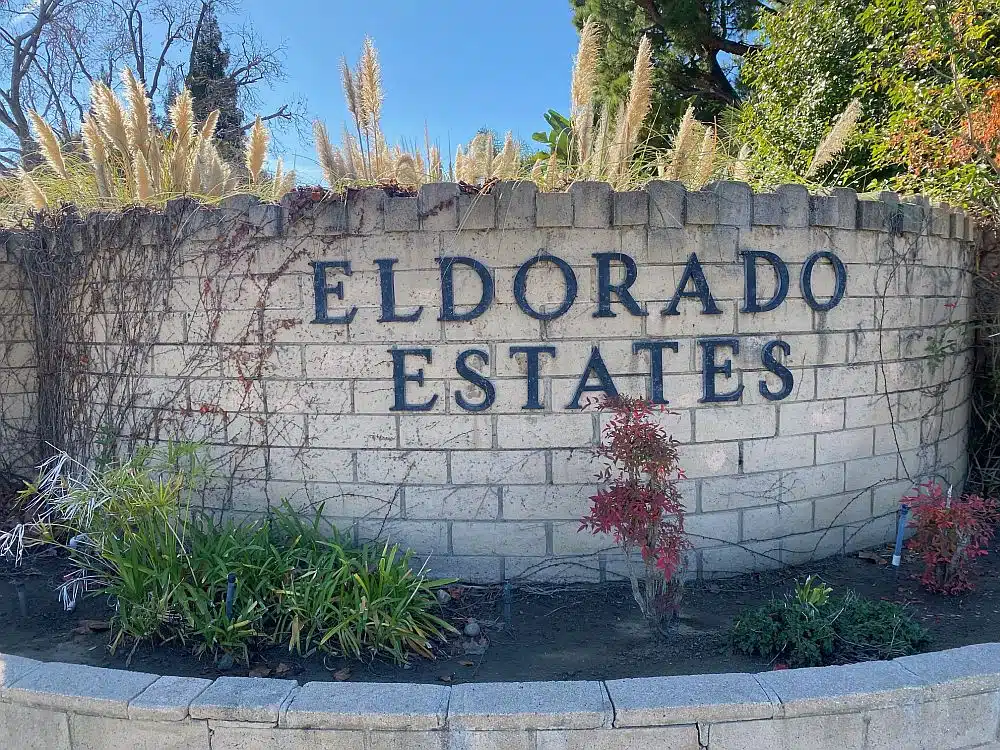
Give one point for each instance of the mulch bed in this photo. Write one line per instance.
(554, 632)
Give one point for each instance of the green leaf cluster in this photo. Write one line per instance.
(800, 81)
(933, 66)
(557, 139)
(812, 628)
(918, 71)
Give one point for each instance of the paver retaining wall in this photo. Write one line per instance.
(948, 700)
(418, 364)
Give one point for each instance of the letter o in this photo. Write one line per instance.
(840, 273)
(521, 286)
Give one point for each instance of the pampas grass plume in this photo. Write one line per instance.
(184, 166)
(584, 80)
(406, 171)
(256, 149)
(582, 87)
(583, 131)
(598, 152)
(481, 156)
(354, 159)
(538, 172)
(330, 161)
(111, 118)
(351, 94)
(706, 158)
(143, 183)
(835, 141)
(190, 179)
(370, 83)
(48, 143)
(741, 168)
(283, 181)
(462, 171)
(139, 112)
(507, 160)
(630, 121)
(93, 144)
(207, 131)
(182, 117)
(33, 195)
(685, 143)
(155, 160)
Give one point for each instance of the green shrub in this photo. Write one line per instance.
(129, 528)
(811, 629)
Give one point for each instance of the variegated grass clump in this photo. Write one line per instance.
(123, 158)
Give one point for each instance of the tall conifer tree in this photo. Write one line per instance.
(211, 84)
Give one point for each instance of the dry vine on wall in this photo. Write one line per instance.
(154, 326)
(146, 327)
(984, 450)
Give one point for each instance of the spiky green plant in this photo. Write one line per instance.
(130, 530)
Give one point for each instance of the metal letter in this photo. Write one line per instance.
(400, 377)
(711, 369)
(655, 349)
(388, 287)
(605, 288)
(521, 286)
(532, 352)
(448, 288)
(841, 281)
(770, 363)
(477, 379)
(693, 272)
(750, 302)
(597, 368)
(322, 290)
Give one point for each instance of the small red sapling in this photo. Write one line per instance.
(640, 505)
(950, 533)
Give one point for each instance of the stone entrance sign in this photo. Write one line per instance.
(428, 362)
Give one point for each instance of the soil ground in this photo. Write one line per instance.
(554, 633)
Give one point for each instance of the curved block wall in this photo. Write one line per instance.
(418, 364)
(946, 700)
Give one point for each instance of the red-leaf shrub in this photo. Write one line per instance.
(640, 507)
(950, 533)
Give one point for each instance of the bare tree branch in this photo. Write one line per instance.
(52, 51)
(283, 112)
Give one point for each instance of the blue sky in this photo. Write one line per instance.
(452, 64)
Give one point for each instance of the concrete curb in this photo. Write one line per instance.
(946, 699)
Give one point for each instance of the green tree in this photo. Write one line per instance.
(801, 80)
(697, 49)
(212, 85)
(926, 76)
(937, 68)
